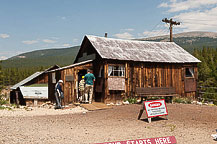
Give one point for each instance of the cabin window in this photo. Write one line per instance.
(101, 71)
(116, 70)
(189, 72)
(53, 78)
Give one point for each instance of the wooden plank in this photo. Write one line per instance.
(155, 90)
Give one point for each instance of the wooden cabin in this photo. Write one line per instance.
(122, 65)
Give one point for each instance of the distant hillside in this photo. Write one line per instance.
(66, 56)
(189, 40)
(47, 57)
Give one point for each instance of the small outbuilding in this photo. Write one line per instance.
(122, 65)
(33, 90)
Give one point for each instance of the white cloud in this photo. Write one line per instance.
(163, 5)
(124, 35)
(3, 57)
(154, 33)
(63, 18)
(75, 40)
(49, 41)
(67, 45)
(4, 36)
(29, 42)
(194, 15)
(129, 29)
(198, 20)
(177, 6)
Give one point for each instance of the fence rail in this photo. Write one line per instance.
(202, 90)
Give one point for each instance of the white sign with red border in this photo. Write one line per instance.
(155, 108)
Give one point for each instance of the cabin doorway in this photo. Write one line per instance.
(80, 94)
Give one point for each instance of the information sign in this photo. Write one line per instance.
(155, 108)
(160, 140)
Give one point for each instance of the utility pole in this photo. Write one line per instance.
(171, 22)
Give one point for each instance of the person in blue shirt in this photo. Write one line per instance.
(89, 79)
(59, 94)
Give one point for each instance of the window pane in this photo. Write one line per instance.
(189, 72)
(116, 71)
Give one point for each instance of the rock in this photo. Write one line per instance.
(205, 103)
(194, 102)
(126, 103)
(199, 103)
(210, 102)
(111, 103)
(48, 102)
(214, 136)
(28, 108)
(118, 104)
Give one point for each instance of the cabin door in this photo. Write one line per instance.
(190, 80)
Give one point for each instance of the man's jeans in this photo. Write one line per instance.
(58, 100)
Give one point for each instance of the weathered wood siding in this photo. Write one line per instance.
(152, 75)
(42, 79)
(158, 75)
(69, 86)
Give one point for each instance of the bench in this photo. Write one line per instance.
(167, 92)
(156, 92)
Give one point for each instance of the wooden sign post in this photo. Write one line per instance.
(154, 108)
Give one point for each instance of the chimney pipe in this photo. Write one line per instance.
(106, 34)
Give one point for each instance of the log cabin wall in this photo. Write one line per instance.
(151, 75)
(42, 79)
(147, 64)
(160, 75)
(70, 82)
(114, 92)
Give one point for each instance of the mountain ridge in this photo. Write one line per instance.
(65, 56)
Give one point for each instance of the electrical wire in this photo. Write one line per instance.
(153, 29)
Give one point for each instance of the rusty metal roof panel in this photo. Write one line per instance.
(146, 51)
(26, 80)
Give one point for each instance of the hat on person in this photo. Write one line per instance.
(60, 81)
(82, 76)
(88, 70)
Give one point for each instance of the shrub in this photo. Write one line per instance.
(131, 100)
(182, 100)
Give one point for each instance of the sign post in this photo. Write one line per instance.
(154, 108)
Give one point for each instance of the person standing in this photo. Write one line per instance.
(89, 79)
(59, 94)
(81, 89)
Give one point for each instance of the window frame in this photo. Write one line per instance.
(191, 72)
(117, 70)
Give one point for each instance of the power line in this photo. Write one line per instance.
(153, 29)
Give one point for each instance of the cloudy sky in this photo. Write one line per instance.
(27, 25)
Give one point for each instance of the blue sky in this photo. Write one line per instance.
(27, 25)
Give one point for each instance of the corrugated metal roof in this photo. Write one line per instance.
(70, 66)
(145, 51)
(26, 80)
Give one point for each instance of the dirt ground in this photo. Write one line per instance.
(190, 124)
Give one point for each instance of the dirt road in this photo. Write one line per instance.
(190, 124)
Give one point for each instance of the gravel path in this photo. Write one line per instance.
(190, 124)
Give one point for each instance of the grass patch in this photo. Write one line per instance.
(37, 85)
(131, 100)
(182, 100)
